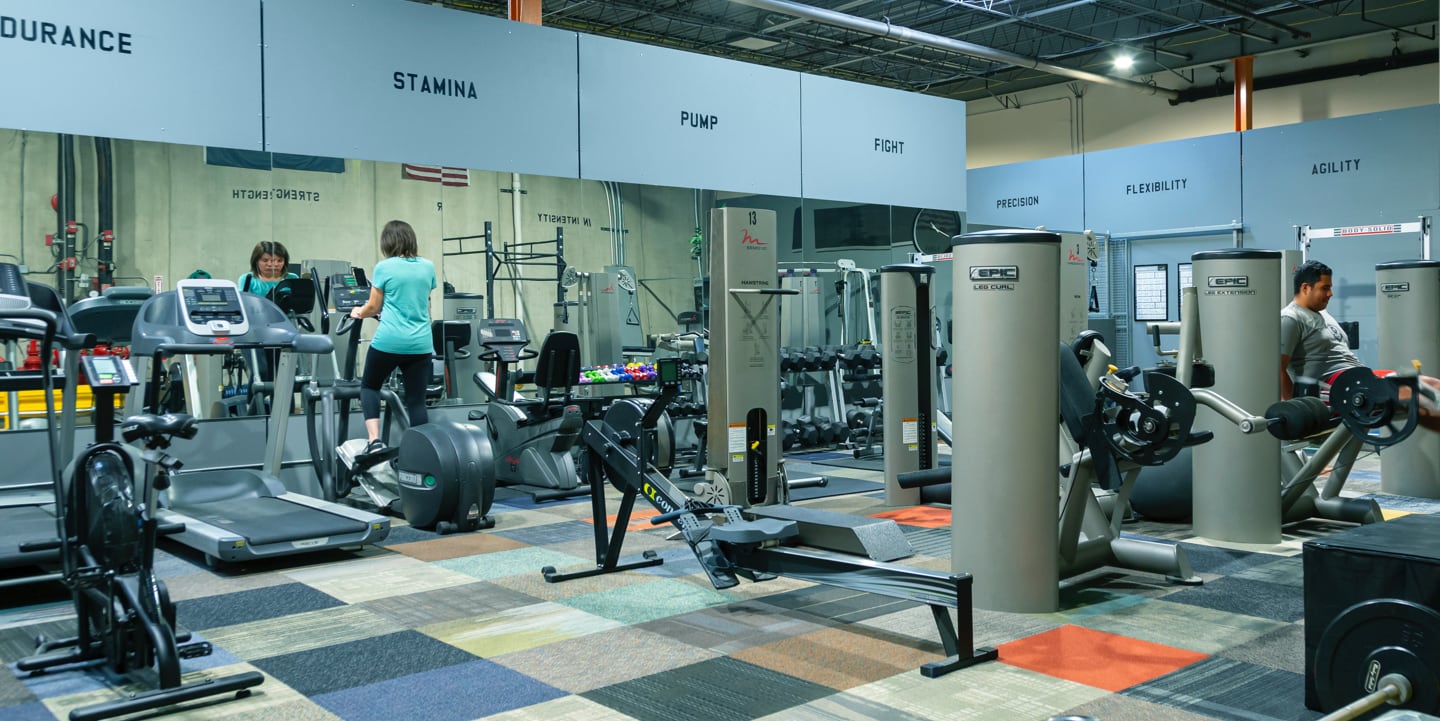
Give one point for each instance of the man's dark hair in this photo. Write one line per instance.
(1310, 272)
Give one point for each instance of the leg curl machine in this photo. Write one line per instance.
(627, 450)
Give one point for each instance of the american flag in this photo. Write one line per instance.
(454, 177)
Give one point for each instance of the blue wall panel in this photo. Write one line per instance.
(408, 83)
(1164, 186)
(1361, 170)
(1049, 192)
(665, 117)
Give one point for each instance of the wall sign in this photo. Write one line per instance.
(138, 71)
(646, 117)
(1164, 186)
(1030, 194)
(877, 145)
(406, 82)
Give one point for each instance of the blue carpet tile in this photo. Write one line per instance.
(33, 711)
(551, 533)
(253, 605)
(407, 534)
(1233, 690)
(721, 689)
(1208, 559)
(358, 663)
(1246, 597)
(454, 693)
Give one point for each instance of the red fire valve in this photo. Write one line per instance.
(72, 227)
(107, 236)
(68, 264)
(49, 239)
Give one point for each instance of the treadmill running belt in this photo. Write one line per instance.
(22, 524)
(264, 521)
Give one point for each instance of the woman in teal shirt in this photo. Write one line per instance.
(268, 262)
(400, 295)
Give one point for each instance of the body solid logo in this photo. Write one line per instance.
(995, 273)
(1228, 281)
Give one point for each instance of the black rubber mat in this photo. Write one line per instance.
(22, 524)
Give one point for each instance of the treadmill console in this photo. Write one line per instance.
(108, 371)
(349, 290)
(505, 336)
(211, 307)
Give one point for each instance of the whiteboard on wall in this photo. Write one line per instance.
(174, 71)
(405, 82)
(657, 116)
(869, 144)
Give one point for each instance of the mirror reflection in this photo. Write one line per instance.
(621, 265)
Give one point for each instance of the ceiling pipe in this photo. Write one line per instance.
(940, 42)
(1248, 15)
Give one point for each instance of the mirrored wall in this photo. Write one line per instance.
(557, 244)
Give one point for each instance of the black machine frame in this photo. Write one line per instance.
(749, 548)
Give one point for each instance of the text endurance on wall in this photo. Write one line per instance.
(63, 35)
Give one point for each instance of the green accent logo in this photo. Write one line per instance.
(429, 481)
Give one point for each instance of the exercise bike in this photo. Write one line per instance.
(126, 621)
(534, 439)
(440, 476)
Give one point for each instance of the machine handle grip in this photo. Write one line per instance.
(193, 348)
(697, 510)
(169, 529)
(766, 291)
(33, 546)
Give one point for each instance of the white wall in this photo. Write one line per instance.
(1110, 117)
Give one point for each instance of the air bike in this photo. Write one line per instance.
(107, 531)
(622, 449)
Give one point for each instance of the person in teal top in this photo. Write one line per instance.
(268, 262)
(400, 296)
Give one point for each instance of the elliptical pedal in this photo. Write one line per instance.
(196, 649)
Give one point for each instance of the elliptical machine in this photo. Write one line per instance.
(534, 438)
(440, 476)
(107, 531)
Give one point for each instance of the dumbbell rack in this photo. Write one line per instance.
(846, 424)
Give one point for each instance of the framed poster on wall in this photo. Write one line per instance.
(1152, 292)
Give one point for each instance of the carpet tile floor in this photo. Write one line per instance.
(463, 628)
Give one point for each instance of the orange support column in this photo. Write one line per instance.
(1244, 92)
(525, 11)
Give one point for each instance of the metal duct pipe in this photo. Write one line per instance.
(940, 42)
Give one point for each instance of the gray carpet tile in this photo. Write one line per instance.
(363, 662)
(1209, 559)
(553, 533)
(19, 642)
(837, 605)
(1283, 648)
(252, 605)
(1246, 597)
(447, 604)
(721, 689)
(1232, 690)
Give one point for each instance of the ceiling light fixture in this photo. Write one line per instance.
(1124, 62)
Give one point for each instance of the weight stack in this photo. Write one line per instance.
(1237, 476)
(1003, 480)
(1397, 559)
(1407, 294)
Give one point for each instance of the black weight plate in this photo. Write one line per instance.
(1376, 637)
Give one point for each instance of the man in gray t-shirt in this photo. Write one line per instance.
(1312, 343)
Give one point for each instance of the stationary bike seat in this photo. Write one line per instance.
(149, 425)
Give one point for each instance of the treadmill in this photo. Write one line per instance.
(27, 507)
(236, 515)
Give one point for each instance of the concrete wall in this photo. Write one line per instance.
(176, 214)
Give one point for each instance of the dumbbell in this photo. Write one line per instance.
(809, 432)
(811, 358)
(828, 431)
(789, 435)
(829, 357)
